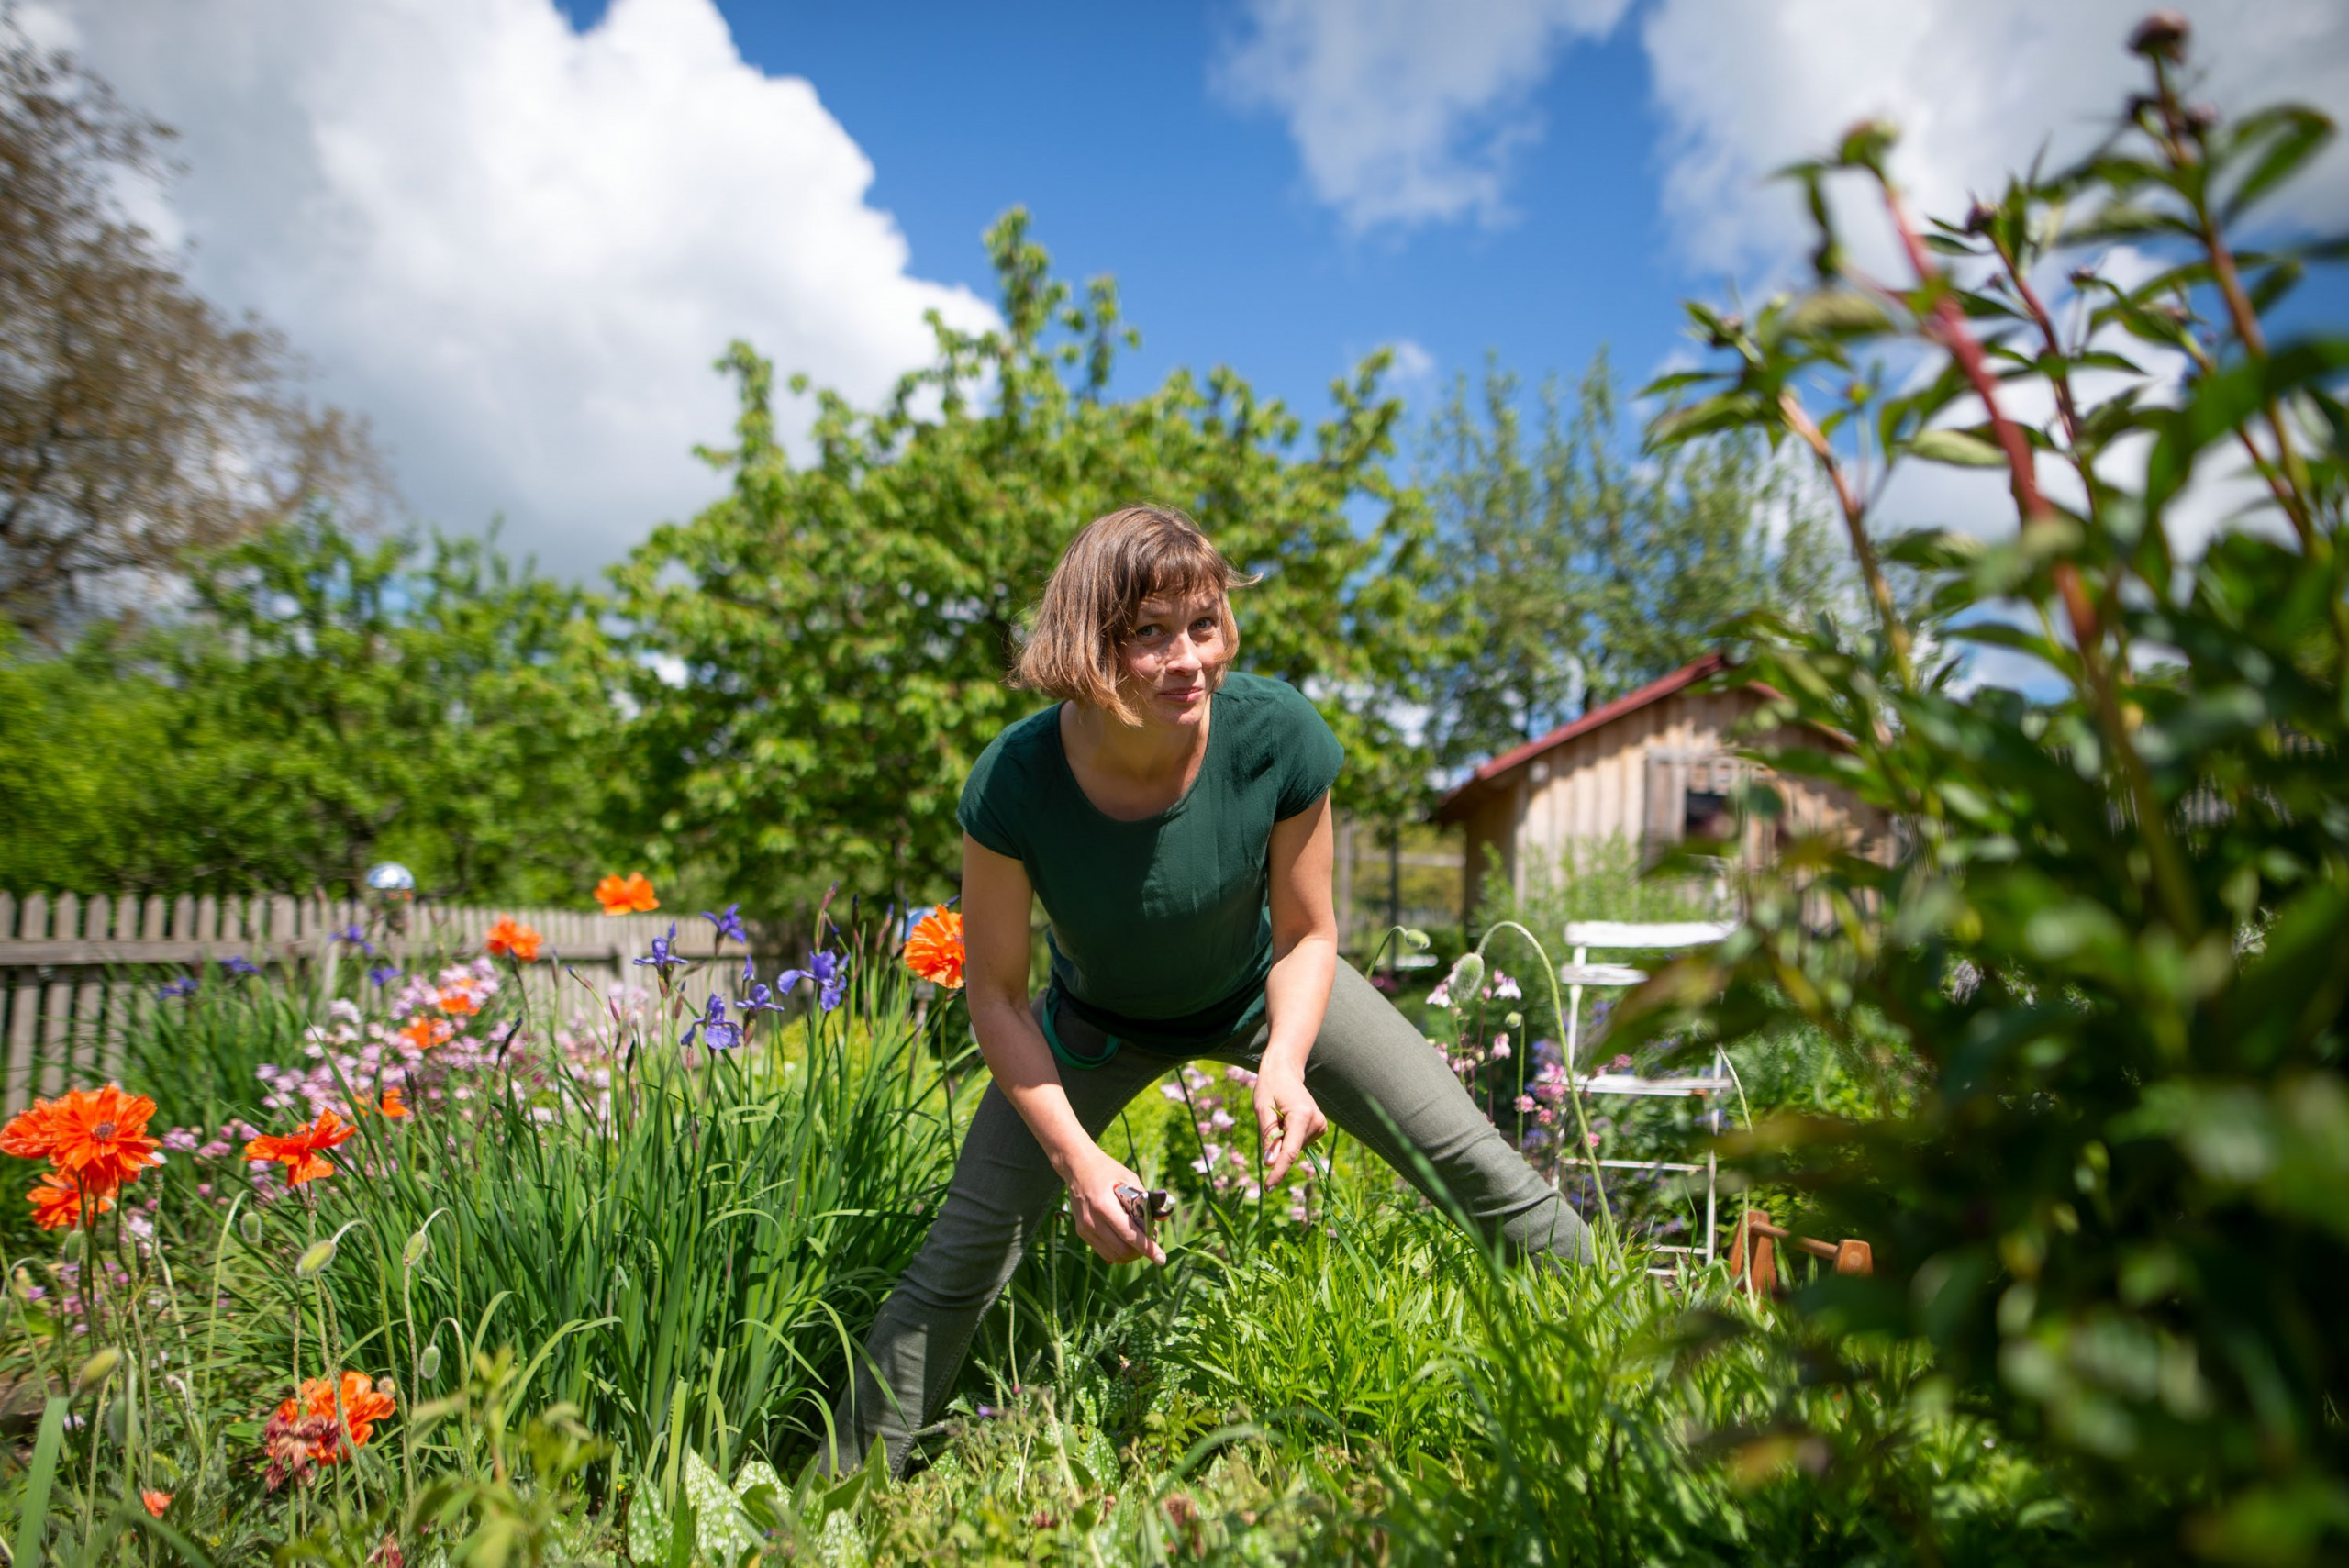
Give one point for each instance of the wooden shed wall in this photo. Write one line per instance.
(1596, 786)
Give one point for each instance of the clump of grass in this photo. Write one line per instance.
(1591, 879)
(701, 1244)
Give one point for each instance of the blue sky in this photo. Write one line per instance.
(1104, 122)
(514, 234)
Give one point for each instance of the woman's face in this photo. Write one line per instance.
(1174, 658)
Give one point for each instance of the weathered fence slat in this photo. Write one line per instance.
(71, 968)
(56, 1030)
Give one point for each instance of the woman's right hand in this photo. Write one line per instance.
(1101, 1218)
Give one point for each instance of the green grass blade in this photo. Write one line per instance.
(37, 1482)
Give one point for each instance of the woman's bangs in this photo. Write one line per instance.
(1192, 568)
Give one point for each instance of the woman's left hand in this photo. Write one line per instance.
(1286, 1119)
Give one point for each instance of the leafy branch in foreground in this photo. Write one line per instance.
(2108, 951)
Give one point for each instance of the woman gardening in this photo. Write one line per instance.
(1173, 819)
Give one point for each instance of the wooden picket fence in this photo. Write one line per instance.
(70, 967)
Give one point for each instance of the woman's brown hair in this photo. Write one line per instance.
(1094, 597)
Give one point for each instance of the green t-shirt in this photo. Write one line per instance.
(1161, 930)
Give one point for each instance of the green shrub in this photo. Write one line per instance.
(2112, 950)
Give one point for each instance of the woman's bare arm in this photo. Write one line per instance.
(996, 897)
(1297, 992)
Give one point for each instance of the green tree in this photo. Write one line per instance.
(841, 629)
(1571, 570)
(326, 701)
(137, 425)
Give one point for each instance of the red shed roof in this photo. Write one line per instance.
(1630, 702)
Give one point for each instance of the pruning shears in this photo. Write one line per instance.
(1146, 1208)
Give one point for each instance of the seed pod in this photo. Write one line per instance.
(419, 1247)
(427, 1366)
(1467, 980)
(387, 1387)
(249, 1226)
(313, 1262)
(2161, 35)
(96, 1369)
(1513, 1022)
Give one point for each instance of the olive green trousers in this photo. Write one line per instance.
(1366, 1060)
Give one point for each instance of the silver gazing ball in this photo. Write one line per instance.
(391, 878)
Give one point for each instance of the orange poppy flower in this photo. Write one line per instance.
(57, 1202)
(511, 939)
(156, 1502)
(934, 950)
(457, 1004)
(30, 1133)
(99, 1137)
(425, 1033)
(393, 1106)
(630, 895)
(363, 1405)
(303, 1154)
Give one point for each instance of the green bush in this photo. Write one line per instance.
(2111, 952)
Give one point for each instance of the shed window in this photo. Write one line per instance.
(1705, 814)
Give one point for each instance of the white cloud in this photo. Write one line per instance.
(517, 248)
(1405, 111)
(1414, 366)
(1979, 88)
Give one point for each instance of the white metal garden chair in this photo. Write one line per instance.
(1650, 938)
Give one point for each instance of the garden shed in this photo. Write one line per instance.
(1653, 767)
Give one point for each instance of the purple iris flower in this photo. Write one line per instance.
(383, 975)
(183, 986)
(355, 937)
(728, 922)
(827, 969)
(716, 1032)
(662, 958)
(756, 997)
(237, 964)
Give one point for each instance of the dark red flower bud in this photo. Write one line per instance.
(2161, 35)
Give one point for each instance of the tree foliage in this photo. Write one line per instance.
(1570, 571)
(839, 629)
(330, 701)
(137, 424)
(2108, 977)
